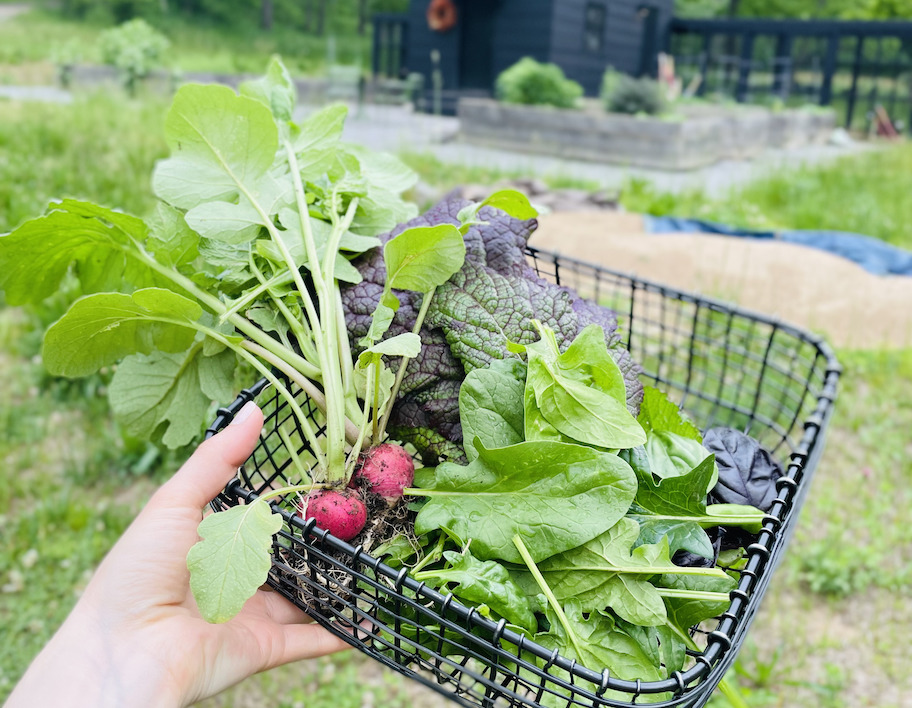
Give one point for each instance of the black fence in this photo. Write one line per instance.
(855, 67)
(390, 45)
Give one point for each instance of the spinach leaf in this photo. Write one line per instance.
(484, 582)
(608, 572)
(684, 612)
(491, 405)
(598, 642)
(658, 413)
(555, 495)
(588, 406)
(605, 573)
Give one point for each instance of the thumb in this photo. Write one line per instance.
(214, 462)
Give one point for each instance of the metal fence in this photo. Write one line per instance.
(855, 67)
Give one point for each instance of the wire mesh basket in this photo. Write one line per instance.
(723, 365)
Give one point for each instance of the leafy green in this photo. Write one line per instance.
(490, 406)
(599, 642)
(101, 243)
(101, 329)
(484, 582)
(232, 560)
(555, 495)
(222, 144)
(170, 390)
(584, 402)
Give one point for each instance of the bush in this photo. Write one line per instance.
(134, 48)
(532, 83)
(624, 94)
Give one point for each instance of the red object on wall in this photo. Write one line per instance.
(442, 15)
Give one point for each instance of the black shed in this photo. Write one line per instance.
(582, 36)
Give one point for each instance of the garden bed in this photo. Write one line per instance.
(699, 135)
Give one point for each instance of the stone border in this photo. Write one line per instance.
(703, 136)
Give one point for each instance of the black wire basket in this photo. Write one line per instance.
(723, 365)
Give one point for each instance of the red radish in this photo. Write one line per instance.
(386, 470)
(341, 512)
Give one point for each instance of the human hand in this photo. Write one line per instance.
(136, 638)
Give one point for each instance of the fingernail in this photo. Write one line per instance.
(244, 413)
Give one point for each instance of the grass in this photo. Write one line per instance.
(99, 148)
(867, 194)
(196, 45)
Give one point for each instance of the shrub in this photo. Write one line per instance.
(134, 48)
(532, 83)
(624, 94)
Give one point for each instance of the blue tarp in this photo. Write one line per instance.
(873, 255)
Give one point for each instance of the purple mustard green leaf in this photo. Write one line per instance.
(474, 319)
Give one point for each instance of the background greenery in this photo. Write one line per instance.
(72, 481)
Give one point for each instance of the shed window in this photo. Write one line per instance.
(594, 28)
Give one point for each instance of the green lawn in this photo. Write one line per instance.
(195, 45)
(869, 194)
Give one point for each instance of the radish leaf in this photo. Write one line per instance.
(423, 258)
(221, 143)
(232, 560)
(101, 329)
(103, 244)
(170, 391)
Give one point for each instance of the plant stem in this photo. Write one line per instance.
(699, 595)
(546, 589)
(305, 384)
(251, 295)
(432, 556)
(365, 424)
(403, 364)
(289, 445)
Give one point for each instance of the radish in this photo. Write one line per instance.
(341, 512)
(386, 470)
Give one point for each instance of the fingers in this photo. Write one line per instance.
(215, 462)
(308, 641)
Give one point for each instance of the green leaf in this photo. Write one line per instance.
(491, 406)
(321, 130)
(484, 582)
(275, 90)
(220, 143)
(406, 344)
(605, 572)
(556, 496)
(680, 534)
(423, 258)
(101, 329)
(683, 613)
(171, 240)
(598, 642)
(514, 203)
(102, 244)
(684, 495)
(171, 391)
(672, 455)
(233, 560)
(608, 572)
(660, 414)
(579, 394)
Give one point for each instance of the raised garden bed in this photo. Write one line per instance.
(699, 136)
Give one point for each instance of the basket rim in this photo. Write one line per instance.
(711, 664)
